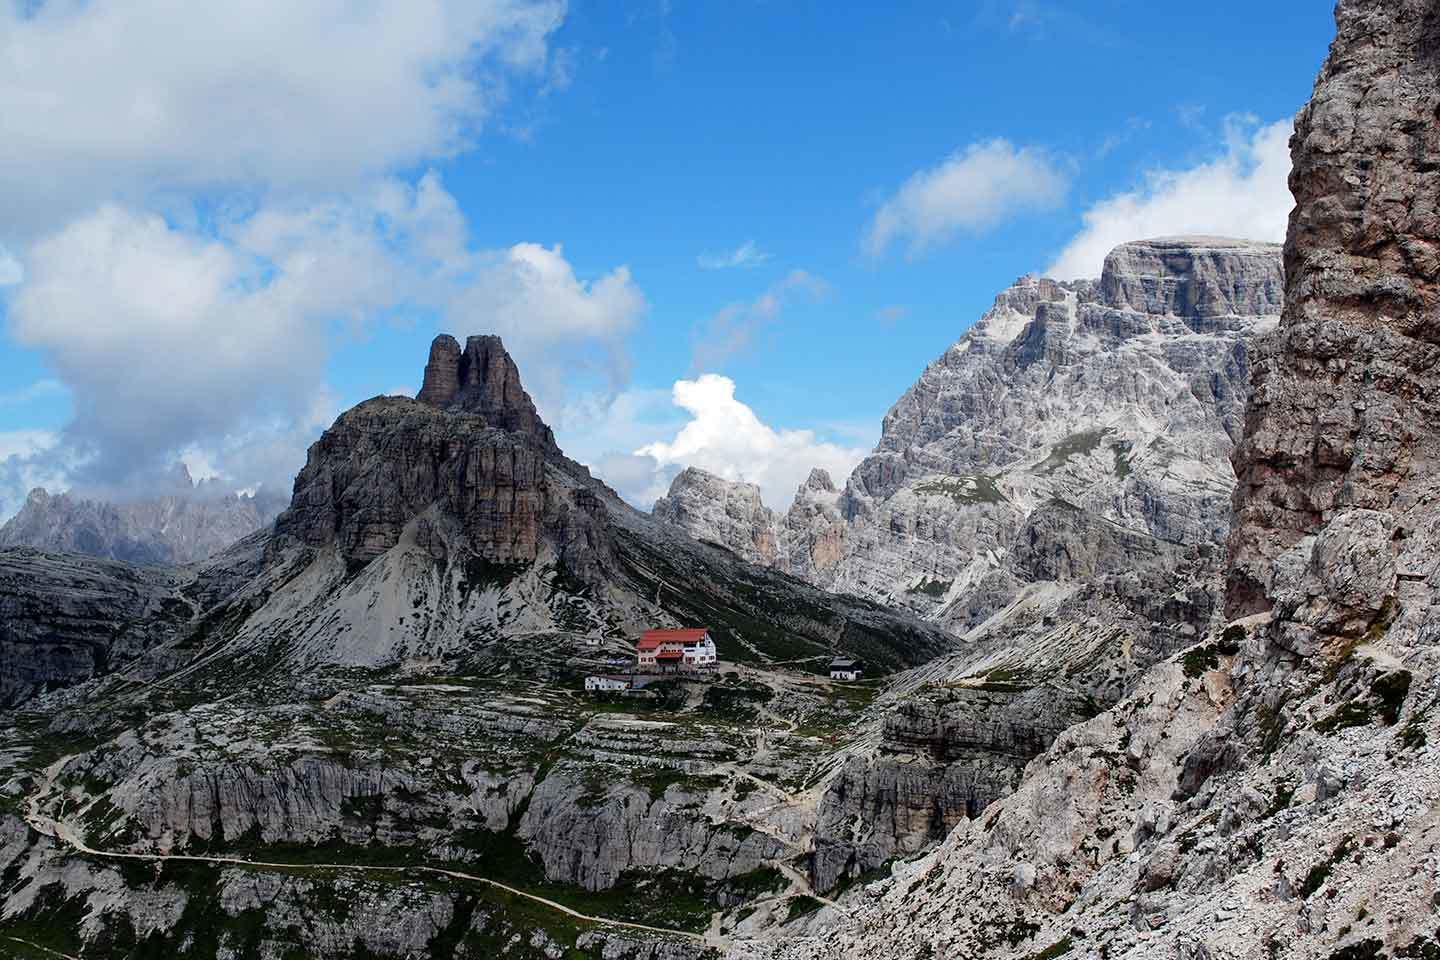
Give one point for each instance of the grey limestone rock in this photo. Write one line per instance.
(184, 526)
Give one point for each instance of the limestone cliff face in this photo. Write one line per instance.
(806, 541)
(1055, 488)
(1120, 397)
(430, 528)
(1075, 426)
(66, 619)
(394, 467)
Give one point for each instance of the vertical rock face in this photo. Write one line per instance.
(1056, 488)
(1201, 281)
(812, 533)
(469, 449)
(442, 372)
(430, 526)
(1344, 415)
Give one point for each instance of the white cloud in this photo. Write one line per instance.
(745, 255)
(1241, 193)
(24, 466)
(172, 338)
(972, 189)
(25, 443)
(732, 329)
(111, 100)
(725, 437)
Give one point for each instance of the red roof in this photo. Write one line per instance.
(669, 655)
(654, 638)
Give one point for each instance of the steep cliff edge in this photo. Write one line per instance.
(1270, 793)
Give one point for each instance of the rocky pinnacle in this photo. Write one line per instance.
(481, 379)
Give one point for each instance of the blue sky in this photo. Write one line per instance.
(225, 232)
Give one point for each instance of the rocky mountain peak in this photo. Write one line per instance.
(178, 523)
(1194, 277)
(481, 379)
(727, 512)
(819, 481)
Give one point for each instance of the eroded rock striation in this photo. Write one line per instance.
(482, 380)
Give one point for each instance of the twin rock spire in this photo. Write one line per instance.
(482, 379)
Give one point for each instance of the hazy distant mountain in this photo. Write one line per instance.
(186, 524)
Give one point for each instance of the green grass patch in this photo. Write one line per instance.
(934, 589)
(801, 906)
(1076, 444)
(965, 491)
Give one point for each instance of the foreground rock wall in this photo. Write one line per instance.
(1344, 414)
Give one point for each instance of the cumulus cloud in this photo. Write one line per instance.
(171, 338)
(972, 189)
(559, 327)
(748, 254)
(724, 436)
(112, 99)
(732, 330)
(1243, 192)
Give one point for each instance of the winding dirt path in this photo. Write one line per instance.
(66, 834)
(35, 946)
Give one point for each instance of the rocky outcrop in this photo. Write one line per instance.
(1076, 431)
(179, 909)
(946, 754)
(185, 526)
(812, 531)
(65, 619)
(721, 511)
(591, 840)
(1342, 418)
(1120, 398)
(430, 528)
(806, 541)
(394, 467)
